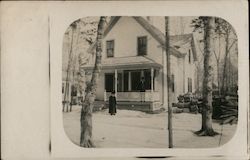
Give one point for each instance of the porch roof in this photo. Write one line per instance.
(134, 62)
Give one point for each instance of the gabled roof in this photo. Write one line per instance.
(156, 33)
(181, 40)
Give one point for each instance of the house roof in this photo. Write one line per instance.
(181, 40)
(122, 62)
(157, 34)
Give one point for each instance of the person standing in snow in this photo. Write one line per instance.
(112, 103)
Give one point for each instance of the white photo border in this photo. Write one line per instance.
(62, 14)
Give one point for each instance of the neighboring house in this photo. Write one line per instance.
(133, 47)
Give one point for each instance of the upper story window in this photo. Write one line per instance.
(110, 45)
(142, 46)
(189, 56)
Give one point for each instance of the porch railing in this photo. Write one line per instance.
(135, 96)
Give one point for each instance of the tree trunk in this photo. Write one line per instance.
(225, 65)
(207, 110)
(218, 76)
(218, 66)
(170, 133)
(87, 106)
(66, 99)
(197, 79)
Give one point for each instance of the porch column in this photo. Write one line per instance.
(129, 81)
(152, 80)
(116, 82)
(105, 95)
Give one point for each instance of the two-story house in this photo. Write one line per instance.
(133, 47)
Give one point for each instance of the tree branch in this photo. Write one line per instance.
(232, 44)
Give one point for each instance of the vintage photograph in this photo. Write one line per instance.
(150, 82)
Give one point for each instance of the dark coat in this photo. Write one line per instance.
(141, 86)
(112, 104)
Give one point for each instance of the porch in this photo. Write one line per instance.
(132, 100)
(138, 106)
(129, 95)
(124, 75)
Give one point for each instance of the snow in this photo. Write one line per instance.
(135, 129)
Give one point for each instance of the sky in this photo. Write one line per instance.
(179, 25)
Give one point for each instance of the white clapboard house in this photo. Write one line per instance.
(133, 47)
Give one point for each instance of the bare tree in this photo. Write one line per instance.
(66, 99)
(217, 56)
(87, 106)
(224, 35)
(88, 30)
(87, 36)
(226, 29)
(199, 69)
(207, 129)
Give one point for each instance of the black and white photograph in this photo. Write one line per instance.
(150, 82)
(129, 80)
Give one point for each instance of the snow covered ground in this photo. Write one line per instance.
(133, 129)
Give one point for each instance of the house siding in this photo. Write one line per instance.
(125, 34)
(189, 70)
(126, 40)
(174, 71)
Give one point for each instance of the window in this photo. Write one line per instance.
(135, 80)
(109, 82)
(189, 56)
(142, 46)
(147, 74)
(125, 81)
(172, 82)
(119, 82)
(110, 48)
(189, 85)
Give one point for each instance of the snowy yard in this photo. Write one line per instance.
(133, 129)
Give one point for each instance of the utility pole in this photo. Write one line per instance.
(170, 130)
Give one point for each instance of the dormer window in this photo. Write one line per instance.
(142, 46)
(110, 48)
(189, 56)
